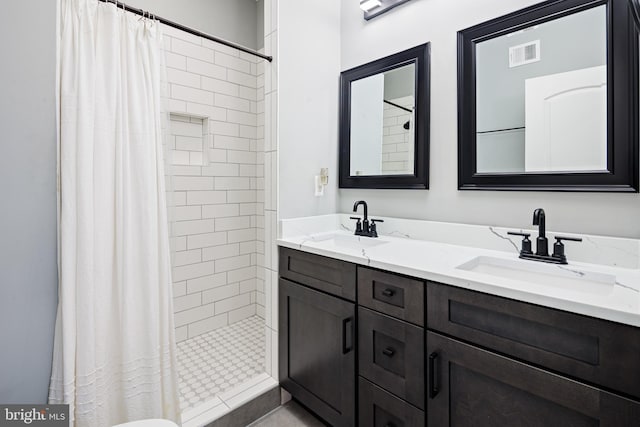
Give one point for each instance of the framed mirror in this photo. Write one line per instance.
(548, 99)
(384, 122)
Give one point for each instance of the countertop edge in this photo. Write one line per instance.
(603, 313)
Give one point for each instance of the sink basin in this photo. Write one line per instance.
(552, 275)
(348, 241)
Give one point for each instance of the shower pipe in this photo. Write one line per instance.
(186, 29)
(407, 124)
(399, 106)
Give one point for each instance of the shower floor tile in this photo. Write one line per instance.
(215, 362)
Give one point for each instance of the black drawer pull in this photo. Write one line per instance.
(433, 386)
(347, 335)
(388, 293)
(389, 425)
(389, 352)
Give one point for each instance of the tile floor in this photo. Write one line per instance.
(217, 361)
(290, 414)
(215, 409)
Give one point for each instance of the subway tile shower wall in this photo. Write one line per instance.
(215, 182)
(397, 144)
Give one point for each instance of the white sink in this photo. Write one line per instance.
(552, 275)
(348, 241)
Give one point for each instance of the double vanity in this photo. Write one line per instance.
(400, 331)
(395, 323)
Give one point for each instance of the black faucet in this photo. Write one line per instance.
(542, 243)
(363, 228)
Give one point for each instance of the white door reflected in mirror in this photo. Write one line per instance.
(566, 121)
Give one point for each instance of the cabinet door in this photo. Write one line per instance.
(467, 386)
(317, 351)
(379, 408)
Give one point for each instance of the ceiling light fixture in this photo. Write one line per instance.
(368, 5)
(373, 8)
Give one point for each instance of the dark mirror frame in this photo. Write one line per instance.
(420, 56)
(622, 102)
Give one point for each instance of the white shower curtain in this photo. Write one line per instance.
(114, 353)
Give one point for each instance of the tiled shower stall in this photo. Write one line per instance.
(221, 179)
(213, 182)
(397, 135)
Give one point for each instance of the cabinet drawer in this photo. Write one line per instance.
(472, 387)
(377, 408)
(391, 294)
(330, 275)
(593, 350)
(391, 355)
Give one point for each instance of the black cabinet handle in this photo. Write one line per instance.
(347, 335)
(389, 352)
(388, 292)
(433, 386)
(389, 425)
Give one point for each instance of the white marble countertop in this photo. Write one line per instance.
(616, 299)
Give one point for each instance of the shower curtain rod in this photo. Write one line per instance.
(187, 29)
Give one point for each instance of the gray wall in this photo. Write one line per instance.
(400, 82)
(28, 271)
(260, 24)
(438, 21)
(233, 20)
(308, 93)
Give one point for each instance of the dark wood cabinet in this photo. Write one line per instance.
(482, 360)
(469, 386)
(317, 351)
(596, 351)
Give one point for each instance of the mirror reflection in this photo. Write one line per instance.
(382, 123)
(542, 97)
